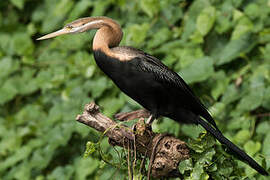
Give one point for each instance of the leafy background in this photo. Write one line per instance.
(221, 48)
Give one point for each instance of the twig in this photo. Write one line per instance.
(128, 161)
(262, 115)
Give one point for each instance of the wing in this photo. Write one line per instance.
(166, 76)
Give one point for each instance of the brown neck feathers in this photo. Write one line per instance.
(109, 33)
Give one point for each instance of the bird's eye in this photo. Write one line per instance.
(69, 27)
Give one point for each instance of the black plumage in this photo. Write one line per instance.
(164, 93)
(153, 85)
(147, 80)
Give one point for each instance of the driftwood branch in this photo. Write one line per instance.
(165, 151)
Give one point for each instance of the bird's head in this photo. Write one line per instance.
(81, 25)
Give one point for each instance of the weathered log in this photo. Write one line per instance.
(165, 151)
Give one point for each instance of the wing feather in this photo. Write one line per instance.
(170, 78)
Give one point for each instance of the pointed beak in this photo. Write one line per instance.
(56, 33)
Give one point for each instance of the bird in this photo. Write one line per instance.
(147, 80)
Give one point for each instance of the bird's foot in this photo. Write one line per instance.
(128, 116)
(150, 120)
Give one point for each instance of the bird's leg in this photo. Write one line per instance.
(128, 116)
(151, 119)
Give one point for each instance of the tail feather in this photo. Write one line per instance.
(222, 139)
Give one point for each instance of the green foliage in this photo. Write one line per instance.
(208, 161)
(221, 48)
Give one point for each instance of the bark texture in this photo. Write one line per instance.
(165, 151)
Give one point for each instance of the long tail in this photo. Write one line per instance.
(219, 136)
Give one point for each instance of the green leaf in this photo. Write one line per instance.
(56, 12)
(18, 3)
(252, 148)
(186, 56)
(20, 154)
(7, 91)
(252, 100)
(221, 83)
(29, 113)
(263, 127)
(242, 136)
(217, 109)
(150, 7)
(206, 20)
(8, 66)
(185, 165)
(199, 70)
(206, 156)
(79, 8)
(138, 33)
(266, 99)
(252, 10)
(191, 131)
(22, 44)
(191, 17)
(90, 148)
(61, 173)
(244, 26)
(226, 167)
(266, 149)
(161, 36)
(168, 126)
(5, 43)
(223, 21)
(85, 167)
(266, 145)
(10, 142)
(198, 173)
(27, 84)
(204, 141)
(100, 7)
(111, 105)
(243, 122)
(231, 94)
(97, 87)
(196, 38)
(235, 48)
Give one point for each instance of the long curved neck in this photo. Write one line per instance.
(107, 37)
(109, 34)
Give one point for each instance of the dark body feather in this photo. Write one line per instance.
(163, 92)
(153, 85)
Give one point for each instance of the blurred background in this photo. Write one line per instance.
(220, 48)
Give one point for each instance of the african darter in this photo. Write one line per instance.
(147, 80)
